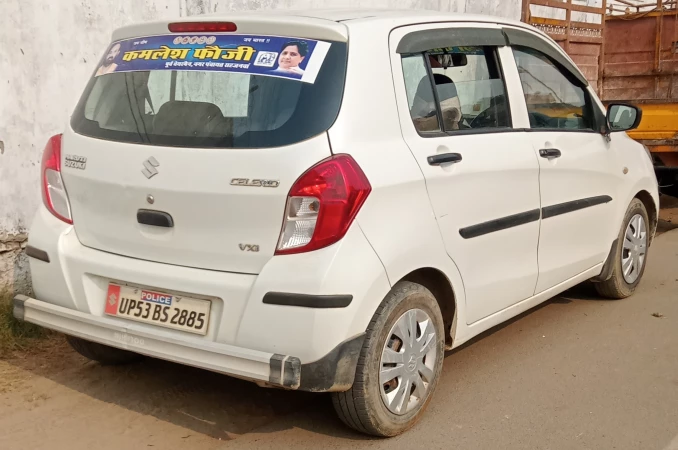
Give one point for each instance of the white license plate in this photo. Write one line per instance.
(158, 308)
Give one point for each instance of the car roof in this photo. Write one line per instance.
(331, 24)
(413, 16)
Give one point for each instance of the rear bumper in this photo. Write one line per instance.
(335, 290)
(334, 372)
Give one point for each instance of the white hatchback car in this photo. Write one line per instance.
(328, 200)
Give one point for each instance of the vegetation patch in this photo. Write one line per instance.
(16, 335)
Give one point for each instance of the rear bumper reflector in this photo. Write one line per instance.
(36, 253)
(308, 301)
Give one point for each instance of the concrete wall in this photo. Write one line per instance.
(48, 51)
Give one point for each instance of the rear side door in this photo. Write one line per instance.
(481, 173)
(579, 181)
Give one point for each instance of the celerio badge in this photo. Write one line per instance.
(255, 183)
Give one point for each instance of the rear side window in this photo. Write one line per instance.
(469, 94)
(420, 98)
(555, 99)
(213, 108)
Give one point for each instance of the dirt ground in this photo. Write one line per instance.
(577, 372)
(668, 214)
(53, 398)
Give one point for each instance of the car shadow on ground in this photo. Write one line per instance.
(201, 401)
(215, 405)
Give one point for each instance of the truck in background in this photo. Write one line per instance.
(628, 50)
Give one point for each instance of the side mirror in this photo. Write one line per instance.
(623, 117)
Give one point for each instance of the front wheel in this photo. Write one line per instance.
(629, 255)
(399, 366)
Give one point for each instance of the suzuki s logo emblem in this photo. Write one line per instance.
(412, 363)
(149, 169)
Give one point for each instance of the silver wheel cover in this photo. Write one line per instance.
(634, 249)
(407, 366)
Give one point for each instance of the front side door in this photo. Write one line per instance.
(482, 174)
(578, 182)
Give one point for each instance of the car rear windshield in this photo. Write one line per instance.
(211, 109)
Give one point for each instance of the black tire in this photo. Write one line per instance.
(617, 287)
(362, 407)
(108, 356)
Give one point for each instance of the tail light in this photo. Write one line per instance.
(322, 205)
(53, 191)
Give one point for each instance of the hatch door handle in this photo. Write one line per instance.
(550, 153)
(444, 158)
(155, 218)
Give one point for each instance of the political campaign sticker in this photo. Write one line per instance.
(284, 57)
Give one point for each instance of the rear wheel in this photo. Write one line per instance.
(629, 255)
(103, 354)
(399, 366)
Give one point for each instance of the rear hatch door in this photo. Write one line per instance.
(192, 142)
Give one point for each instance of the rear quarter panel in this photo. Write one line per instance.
(397, 218)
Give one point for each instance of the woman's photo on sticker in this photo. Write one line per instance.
(292, 55)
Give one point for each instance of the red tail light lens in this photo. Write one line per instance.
(202, 27)
(322, 205)
(53, 190)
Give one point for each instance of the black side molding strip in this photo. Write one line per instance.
(576, 205)
(308, 301)
(37, 253)
(500, 224)
(531, 216)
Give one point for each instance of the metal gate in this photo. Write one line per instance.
(578, 28)
(628, 50)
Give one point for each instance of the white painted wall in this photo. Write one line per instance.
(48, 50)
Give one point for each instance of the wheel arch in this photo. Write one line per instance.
(441, 288)
(652, 211)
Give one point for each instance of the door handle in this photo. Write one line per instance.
(550, 153)
(155, 218)
(444, 158)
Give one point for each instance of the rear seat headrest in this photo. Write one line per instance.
(193, 118)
